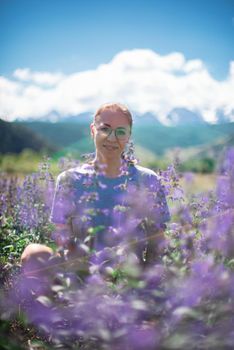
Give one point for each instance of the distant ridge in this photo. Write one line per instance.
(154, 137)
(176, 117)
(16, 137)
(183, 116)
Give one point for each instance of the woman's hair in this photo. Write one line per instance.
(115, 107)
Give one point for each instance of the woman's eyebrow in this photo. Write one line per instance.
(104, 124)
(118, 127)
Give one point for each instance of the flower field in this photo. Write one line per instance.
(183, 300)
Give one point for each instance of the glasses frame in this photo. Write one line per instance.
(111, 130)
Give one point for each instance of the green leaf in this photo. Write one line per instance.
(94, 230)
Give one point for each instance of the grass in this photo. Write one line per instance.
(199, 183)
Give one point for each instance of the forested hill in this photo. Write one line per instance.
(160, 139)
(157, 139)
(15, 137)
(61, 134)
(154, 137)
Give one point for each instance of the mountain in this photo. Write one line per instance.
(176, 117)
(145, 119)
(224, 117)
(81, 118)
(54, 117)
(60, 134)
(205, 158)
(15, 137)
(183, 116)
(152, 136)
(159, 139)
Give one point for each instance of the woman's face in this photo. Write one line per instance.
(110, 131)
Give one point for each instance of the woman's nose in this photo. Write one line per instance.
(112, 136)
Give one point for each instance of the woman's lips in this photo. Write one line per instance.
(110, 148)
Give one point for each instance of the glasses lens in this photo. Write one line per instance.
(105, 130)
(121, 133)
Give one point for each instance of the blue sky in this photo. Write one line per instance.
(70, 36)
(66, 57)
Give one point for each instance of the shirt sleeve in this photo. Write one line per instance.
(63, 202)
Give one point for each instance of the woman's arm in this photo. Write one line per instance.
(155, 246)
(62, 210)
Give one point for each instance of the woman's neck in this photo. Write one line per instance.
(108, 168)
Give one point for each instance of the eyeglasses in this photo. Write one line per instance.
(121, 133)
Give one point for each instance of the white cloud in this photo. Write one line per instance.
(140, 78)
(193, 65)
(40, 78)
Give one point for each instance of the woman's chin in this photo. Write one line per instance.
(113, 155)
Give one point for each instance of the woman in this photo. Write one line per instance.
(110, 201)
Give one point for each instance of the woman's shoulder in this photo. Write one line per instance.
(145, 172)
(147, 177)
(75, 173)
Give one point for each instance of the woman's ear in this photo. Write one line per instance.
(92, 129)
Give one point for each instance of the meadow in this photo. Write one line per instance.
(184, 300)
